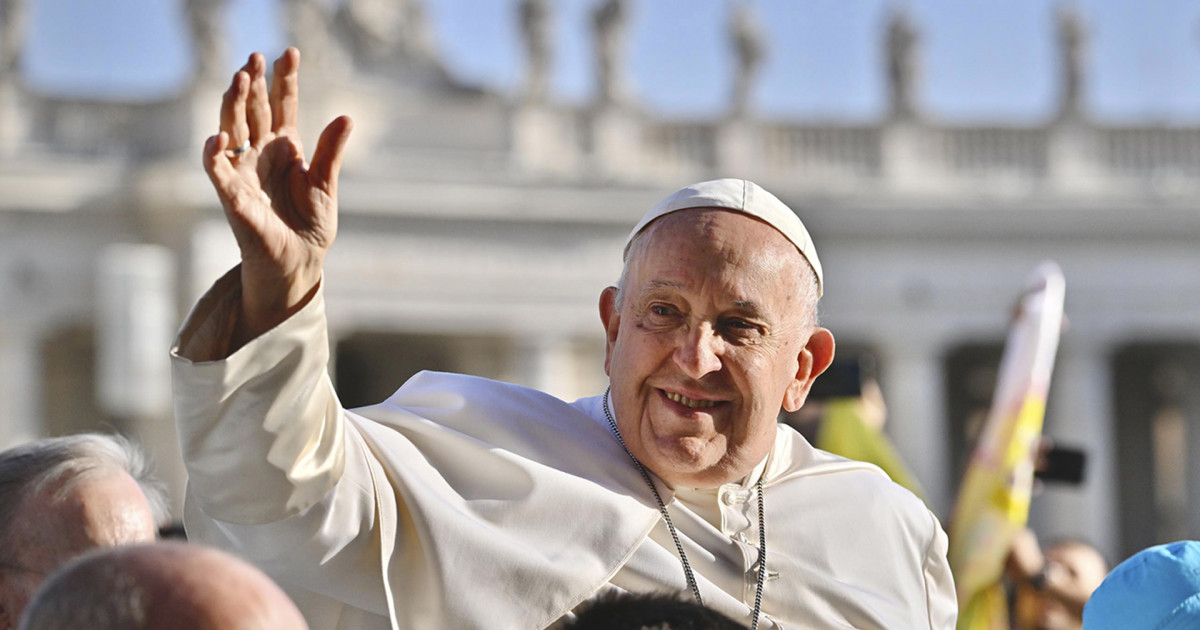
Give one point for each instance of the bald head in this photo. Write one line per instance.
(166, 585)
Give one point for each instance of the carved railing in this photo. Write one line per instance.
(96, 128)
(682, 145)
(885, 154)
(1148, 151)
(983, 151)
(816, 151)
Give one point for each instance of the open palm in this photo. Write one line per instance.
(283, 210)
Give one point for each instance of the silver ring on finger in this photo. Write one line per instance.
(245, 146)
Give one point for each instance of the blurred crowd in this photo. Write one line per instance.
(84, 543)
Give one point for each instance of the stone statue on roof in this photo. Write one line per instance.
(749, 46)
(903, 65)
(1072, 41)
(608, 27)
(535, 31)
(309, 28)
(385, 31)
(208, 44)
(13, 24)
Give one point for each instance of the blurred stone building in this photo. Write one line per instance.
(477, 230)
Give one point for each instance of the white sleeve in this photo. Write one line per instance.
(262, 431)
(940, 596)
(276, 473)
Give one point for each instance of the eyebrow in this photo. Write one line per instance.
(655, 285)
(749, 306)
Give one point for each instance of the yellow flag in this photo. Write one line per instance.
(993, 502)
(843, 432)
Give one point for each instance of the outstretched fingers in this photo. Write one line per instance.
(233, 109)
(327, 159)
(258, 105)
(285, 91)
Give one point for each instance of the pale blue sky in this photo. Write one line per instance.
(983, 59)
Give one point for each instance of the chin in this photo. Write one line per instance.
(689, 454)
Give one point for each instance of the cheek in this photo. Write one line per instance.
(764, 376)
(641, 352)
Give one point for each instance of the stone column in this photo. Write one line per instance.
(20, 383)
(739, 147)
(545, 363)
(13, 123)
(1072, 163)
(913, 385)
(616, 141)
(1082, 377)
(905, 161)
(135, 324)
(543, 138)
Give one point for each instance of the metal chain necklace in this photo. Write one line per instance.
(662, 508)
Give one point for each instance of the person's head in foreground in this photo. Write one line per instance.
(164, 585)
(61, 497)
(712, 330)
(1073, 569)
(630, 611)
(1156, 589)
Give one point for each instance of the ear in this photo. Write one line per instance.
(610, 316)
(814, 358)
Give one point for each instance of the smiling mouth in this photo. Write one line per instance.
(688, 402)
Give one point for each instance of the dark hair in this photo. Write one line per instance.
(654, 611)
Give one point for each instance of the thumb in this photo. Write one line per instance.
(327, 159)
(220, 170)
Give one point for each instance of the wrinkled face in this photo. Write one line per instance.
(103, 510)
(709, 339)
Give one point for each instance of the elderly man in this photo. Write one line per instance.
(167, 585)
(466, 503)
(60, 497)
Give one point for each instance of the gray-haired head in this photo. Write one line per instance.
(162, 585)
(58, 464)
(61, 497)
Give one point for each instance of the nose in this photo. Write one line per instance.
(699, 351)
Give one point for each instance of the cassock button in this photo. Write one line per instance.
(732, 496)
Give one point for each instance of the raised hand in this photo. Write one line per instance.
(283, 210)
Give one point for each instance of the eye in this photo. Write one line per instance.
(661, 310)
(741, 329)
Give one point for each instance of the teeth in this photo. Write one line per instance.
(688, 402)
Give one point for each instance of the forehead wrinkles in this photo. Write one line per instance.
(739, 252)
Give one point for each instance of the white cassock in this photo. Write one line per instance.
(465, 503)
